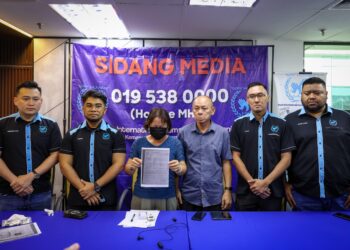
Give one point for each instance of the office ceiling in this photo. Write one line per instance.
(269, 19)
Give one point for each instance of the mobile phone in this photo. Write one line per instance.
(199, 215)
(75, 214)
(220, 215)
(342, 216)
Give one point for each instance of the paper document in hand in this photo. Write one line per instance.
(155, 167)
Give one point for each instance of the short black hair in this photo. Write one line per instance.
(314, 80)
(94, 94)
(28, 85)
(253, 84)
(160, 113)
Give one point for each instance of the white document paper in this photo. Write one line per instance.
(155, 167)
(140, 218)
(19, 232)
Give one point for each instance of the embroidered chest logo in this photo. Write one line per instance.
(106, 136)
(43, 129)
(333, 122)
(274, 128)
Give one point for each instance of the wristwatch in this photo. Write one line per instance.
(36, 174)
(228, 188)
(97, 187)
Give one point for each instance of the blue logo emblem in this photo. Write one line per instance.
(333, 122)
(106, 136)
(292, 89)
(239, 105)
(275, 128)
(43, 129)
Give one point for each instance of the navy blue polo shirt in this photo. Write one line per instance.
(92, 151)
(25, 145)
(261, 146)
(321, 164)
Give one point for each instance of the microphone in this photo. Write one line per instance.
(160, 245)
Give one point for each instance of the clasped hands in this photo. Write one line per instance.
(260, 188)
(88, 193)
(22, 184)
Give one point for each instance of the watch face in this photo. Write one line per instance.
(97, 187)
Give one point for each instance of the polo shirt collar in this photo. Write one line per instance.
(303, 111)
(37, 117)
(211, 128)
(103, 126)
(252, 117)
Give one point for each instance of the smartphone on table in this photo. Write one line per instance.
(199, 215)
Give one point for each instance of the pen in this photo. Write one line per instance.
(132, 219)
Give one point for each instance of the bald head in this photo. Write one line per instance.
(202, 99)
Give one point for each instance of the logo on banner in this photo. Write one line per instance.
(333, 122)
(239, 105)
(274, 128)
(43, 129)
(292, 89)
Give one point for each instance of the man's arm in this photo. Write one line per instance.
(227, 196)
(5, 172)
(242, 170)
(240, 166)
(259, 186)
(118, 160)
(66, 166)
(24, 181)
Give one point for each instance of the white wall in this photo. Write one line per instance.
(49, 73)
(288, 58)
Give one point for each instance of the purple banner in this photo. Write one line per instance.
(137, 79)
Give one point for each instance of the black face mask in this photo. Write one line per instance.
(158, 133)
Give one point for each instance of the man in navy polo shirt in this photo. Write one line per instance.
(261, 146)
(91, 157)
(29, 145)
(319, 176)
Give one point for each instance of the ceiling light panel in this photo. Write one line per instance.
(224, 3)
(93, 20)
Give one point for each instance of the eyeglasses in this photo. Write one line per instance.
(259, 96)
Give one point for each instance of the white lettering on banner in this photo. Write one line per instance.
(161, 96)
(138, 114)
(185, 113)
(141, 114)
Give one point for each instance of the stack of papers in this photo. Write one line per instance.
(140, 218)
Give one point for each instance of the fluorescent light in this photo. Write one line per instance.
(224, 3)
(15, 28)
(93, 20)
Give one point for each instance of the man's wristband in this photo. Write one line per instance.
(36, 174)
(228, 188)
(97, 187)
